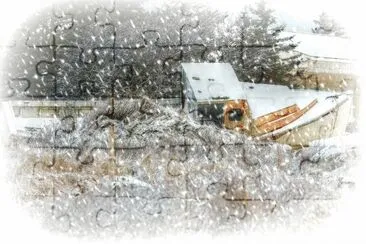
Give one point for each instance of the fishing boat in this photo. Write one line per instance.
(212, 93)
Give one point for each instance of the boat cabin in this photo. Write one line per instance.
(207, 87)
(212, 92)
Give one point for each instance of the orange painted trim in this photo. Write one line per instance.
(275, 115)
(281, 122)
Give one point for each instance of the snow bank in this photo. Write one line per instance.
(172, 173)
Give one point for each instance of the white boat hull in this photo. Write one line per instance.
(331, 124)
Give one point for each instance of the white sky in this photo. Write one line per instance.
(348, 12)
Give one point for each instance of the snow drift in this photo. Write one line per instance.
(170, 171)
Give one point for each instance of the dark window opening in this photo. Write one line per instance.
(235, 115)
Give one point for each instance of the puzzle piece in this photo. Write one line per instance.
(65, 67)
(42, 33)
(17, 87)
(150, 68)
(127, 24)
(104, 218)
(214, 55)
(63, 219)
(75, 79)
(85, 33)
(20, 69)
(196, 27)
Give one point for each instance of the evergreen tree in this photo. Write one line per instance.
(267, 53)
(327, 25)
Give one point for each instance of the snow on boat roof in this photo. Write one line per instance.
(267, 98)
(324, 106)
(211, 81)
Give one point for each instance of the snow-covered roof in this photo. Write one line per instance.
(323, 46)
(212, 81)
(324, 106)
(267, 98)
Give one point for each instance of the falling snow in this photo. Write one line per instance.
(115, 153)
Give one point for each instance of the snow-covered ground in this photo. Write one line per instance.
(172, 174)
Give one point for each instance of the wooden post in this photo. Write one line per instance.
(112, 141)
